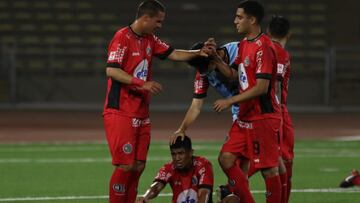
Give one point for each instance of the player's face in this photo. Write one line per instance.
(154, 23)
(242, 21)
(182, 158)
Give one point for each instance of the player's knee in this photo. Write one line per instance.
(226, 160)
(270, 172)
(127, 167)
(140, 166)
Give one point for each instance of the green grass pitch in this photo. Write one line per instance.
(79, 172)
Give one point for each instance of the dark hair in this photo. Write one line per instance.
(179, 143)
(200, 63)
(149, 7)
(279, 26)
(253, 8)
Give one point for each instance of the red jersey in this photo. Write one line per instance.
(133, 54)
(256, 59)
(186, 184)
(283, 70)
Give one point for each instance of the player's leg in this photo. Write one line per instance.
(120, 137)
(266, 156)
(142, 143)
(288, 148)
(235, 146)
(284, 180)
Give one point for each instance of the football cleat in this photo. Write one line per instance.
(348, 181)
(222, 191)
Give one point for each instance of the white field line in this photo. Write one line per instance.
(320, 190)
(157, 158)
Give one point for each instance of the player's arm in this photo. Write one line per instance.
(119, 75)
(222, 66)
(203, 195)
(152, 192)
(186, 55)
(191, 115)
(259, 89)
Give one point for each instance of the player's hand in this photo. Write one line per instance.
(208, 48)
(141, 200)
(221, 104)
(178, 133)
(152, 86)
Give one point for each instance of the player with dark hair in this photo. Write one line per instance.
(279, 32)
(257, 128)
(207, 75)
(130, 85)
(191, 177)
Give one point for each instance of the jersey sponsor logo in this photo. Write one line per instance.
(162, 175)
(117, 55)
(135, 54)
(141, 70)
(187, 196)
(280, 69)
(259, 61)
(127, 148)
(120, 188)
(243, 124)
(259, 43)
(136, 123)
(244, 83)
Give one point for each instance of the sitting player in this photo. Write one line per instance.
(190, 177)
(352, 180)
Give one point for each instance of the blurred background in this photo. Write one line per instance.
(53, 52)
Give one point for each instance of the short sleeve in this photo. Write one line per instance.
(163, 175)
(117, 51)
(265, 61)
(206, 174)
(161, 49)
(201, 85)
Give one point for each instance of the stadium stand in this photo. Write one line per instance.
(64, 38)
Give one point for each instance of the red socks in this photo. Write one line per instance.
(133, 184)
(289, 166)
(118, 186)
(273, 189)
(284, 188)
(239, 184)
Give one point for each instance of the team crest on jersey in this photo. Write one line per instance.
(246, 61)
(127, 148)
(119, 188)
(231, 182)
(141, 70)
(187, 196)
(148, 51)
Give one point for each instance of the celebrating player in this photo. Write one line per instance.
(130, 85)
(190, 177)
(207, 75)
(257, 128)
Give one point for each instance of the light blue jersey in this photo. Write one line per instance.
(218, 81)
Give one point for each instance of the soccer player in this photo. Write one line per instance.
(207, 75)
(257, 128)
(190, 177)
(130, 85)
(352, 180)
(279, 31)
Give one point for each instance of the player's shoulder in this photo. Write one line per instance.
(264, 40)
(123, 33)
(231, 45)
(201, 161)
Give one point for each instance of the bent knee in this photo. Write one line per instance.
(226, 160)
